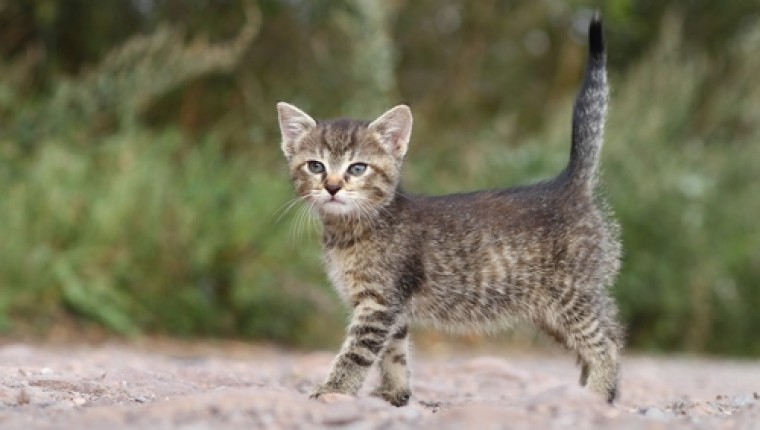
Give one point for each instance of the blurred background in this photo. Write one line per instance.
(142, 189)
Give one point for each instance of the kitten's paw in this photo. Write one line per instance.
(320, 390)
(398, 397)
(328, 394)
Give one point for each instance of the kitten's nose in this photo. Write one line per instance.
(332, 188)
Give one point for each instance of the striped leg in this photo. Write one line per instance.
(367, 335)
(598, 343)
(394, 372)
(587, 324)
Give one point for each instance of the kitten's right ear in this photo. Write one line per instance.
(294, 123)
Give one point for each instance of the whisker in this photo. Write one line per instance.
(366, 212)
(298, 223)
(313, 221)
(304, 219)
(285, 208)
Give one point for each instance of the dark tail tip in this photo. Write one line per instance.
(596, 36)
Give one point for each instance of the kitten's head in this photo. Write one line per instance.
(345, 167)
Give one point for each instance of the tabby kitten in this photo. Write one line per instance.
(542, 253)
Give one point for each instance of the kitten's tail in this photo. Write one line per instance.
(590, 112)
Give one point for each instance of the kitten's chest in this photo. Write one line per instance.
(342, 267)
(353, 269)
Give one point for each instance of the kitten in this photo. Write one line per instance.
(544, 253)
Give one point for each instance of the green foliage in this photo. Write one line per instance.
(145, 191)
(128, 80)
(145, 231)
(683, 177)
(681, 174)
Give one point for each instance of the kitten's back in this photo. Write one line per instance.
(493, 256)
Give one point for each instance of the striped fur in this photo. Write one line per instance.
(544, 253)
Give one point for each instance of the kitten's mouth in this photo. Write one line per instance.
(335, 206)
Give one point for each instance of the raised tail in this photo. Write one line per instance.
(590, 112)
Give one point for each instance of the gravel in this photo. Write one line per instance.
(230, 386)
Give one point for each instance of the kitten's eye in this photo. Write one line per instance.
(316, 167)
(357, 169)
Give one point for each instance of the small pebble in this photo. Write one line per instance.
(46, 371)
(713, 408)
(680, 406)
(79, 401)
(23, 398)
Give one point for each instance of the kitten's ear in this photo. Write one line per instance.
(394, 129)
(294, 123)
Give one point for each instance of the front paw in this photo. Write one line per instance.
(328, 393)
(320, 390)
(398, 397)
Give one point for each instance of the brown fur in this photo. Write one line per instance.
(544, 253)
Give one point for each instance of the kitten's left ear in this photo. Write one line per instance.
(294, 123)
(394, 128)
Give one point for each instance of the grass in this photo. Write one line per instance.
(143, 229)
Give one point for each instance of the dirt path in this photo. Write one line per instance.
(185, 386)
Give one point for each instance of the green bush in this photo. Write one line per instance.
(146, 231)
(115, 218)
(681, 175)
(680, 172)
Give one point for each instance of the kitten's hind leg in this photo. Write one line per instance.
(603, 374)
(599, 350)
(394, 370)
(558, 335)
(588, 326)
(584, 371)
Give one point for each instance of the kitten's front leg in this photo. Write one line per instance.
(394, 371)
(368, 333)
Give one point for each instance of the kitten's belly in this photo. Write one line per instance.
(460, 304)
(482, 284)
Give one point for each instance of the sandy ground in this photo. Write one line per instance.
(188, 386)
